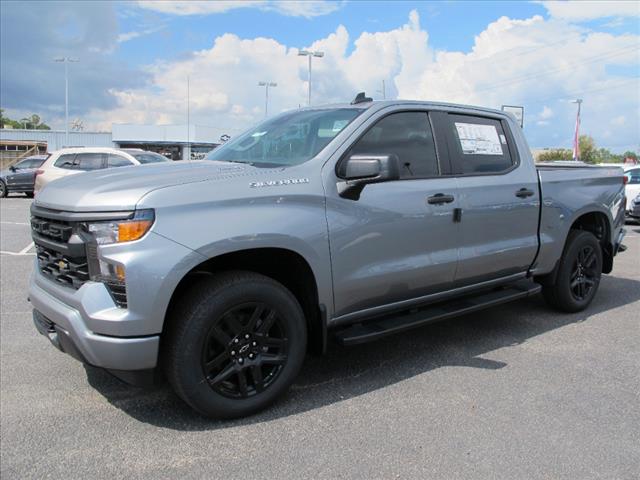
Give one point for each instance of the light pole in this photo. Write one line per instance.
(266, 86)
(66, 61)
(307, 53)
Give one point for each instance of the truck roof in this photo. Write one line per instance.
(423, 103)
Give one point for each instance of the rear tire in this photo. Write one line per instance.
(3, 189)
(235, 343)
(578, 275)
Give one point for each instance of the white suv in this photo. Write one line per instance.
(69, 161)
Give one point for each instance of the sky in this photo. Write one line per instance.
(135, 58)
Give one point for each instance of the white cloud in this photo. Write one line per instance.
(308, 9)
(589, 10)
(125, 37)
(546, 113)
(537, 63)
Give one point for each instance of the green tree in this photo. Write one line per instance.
(630, 154)
(588, 152)
(555, 154)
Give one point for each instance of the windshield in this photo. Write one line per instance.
(148, 157)
(288, 139)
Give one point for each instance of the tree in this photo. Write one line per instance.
(555, 154)
(588, 153)
(630, 154)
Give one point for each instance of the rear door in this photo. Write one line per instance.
(23, 175)
(394, 244)
(498, 197)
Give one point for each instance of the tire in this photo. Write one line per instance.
(28, 194)
(208, 358)
(578, 275)
(3, 189)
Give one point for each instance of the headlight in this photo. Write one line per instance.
(120, 231)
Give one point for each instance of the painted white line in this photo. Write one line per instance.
(14, 223)
(26, 249)
(17, 254)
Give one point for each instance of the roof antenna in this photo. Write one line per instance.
(361, 98)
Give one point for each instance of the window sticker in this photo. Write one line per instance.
(503, 139)
(478, 139)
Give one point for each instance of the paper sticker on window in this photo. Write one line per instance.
(478, 139)
(503, 139)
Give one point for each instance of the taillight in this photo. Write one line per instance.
(625, 179)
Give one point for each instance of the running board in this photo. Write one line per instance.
(388, 325)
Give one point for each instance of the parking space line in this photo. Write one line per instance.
(16, 254)
(14, 223)
(26, 249)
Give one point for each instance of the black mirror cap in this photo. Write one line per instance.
(12, 168)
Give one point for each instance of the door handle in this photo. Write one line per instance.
(524, 193)
(439, 198)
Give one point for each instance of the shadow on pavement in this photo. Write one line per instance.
(345, 373)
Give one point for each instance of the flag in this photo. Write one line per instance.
(576, 137)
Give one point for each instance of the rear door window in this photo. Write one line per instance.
(89, 161)
(65, 161)
(118, 161)
(478, 145)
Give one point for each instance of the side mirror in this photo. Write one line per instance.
(361, 170)
(12, 168)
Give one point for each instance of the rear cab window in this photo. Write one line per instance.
(478, 145)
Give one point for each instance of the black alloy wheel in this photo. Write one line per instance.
(234, 343)
(584, 275)
(245, 350)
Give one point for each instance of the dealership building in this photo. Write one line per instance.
(178, 142)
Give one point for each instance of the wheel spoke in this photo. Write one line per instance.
(267, 323)
(234, 325)
(574, 283)
(271, 359)
(211, 364)
(590, 258)
(242, 383)
(255, 316)
(222, 338)
(256, 373)
(272, 342)
(223, 375)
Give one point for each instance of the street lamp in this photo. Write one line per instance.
(266, 86)
(66, 61)
(307, 53)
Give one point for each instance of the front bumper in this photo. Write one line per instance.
(66, 327)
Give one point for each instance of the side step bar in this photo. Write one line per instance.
(388, 325)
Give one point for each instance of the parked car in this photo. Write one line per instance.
(21, 176)
(349, 222)
(69, 161)
(632, 188)
(634, 209)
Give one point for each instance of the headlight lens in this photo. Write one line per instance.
(120, 231)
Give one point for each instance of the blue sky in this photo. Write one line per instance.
(135, 56)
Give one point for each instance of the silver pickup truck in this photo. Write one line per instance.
(346, 222)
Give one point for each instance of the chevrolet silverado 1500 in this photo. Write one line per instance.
(345, 222)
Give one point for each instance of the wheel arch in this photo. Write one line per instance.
(599, 224)
(283, 265)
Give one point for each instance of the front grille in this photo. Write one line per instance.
(72, 272)
(66, 257)
(63, 262)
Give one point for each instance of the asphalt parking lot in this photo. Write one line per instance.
(514, 392)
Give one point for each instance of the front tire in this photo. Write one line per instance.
(578, 275)
(3, 189)
(235, 343)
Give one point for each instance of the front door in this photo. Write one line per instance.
(398, 241)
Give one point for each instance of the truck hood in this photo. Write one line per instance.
(121, 188)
